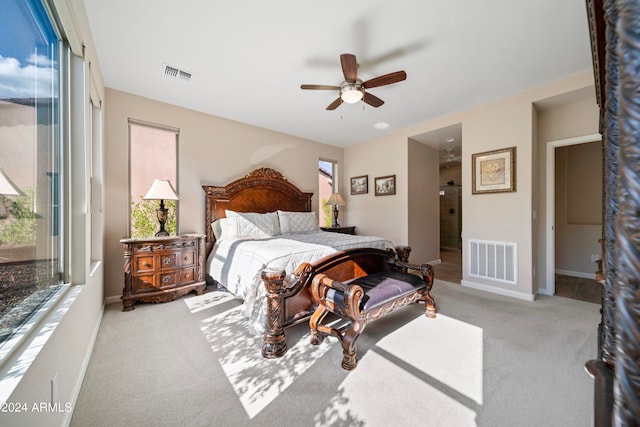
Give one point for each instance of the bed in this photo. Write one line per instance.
(261, 223)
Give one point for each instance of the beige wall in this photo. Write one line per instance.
(384, 216)
(501, 217)
(211, 150)
(423, 203)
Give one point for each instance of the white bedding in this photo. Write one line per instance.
(237, 263)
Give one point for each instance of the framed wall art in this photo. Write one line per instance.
(385, 185)
(494, 171)
(360, 184)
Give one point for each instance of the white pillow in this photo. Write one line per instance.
(216, 226)
(250, 224)
(298, 222)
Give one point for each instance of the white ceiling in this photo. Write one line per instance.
(249, 57)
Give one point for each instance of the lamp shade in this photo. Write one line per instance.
(8, 188)
(161, 189)
(335, 200)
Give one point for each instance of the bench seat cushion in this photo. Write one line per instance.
(380, 288)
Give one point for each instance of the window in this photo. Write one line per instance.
(326, 186)
(153, 153)
(97, 220)
(31, 163)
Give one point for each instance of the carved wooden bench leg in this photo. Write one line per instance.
(429, 300)
(317, 317)
(430, 305)
(275, 340)
(349, 348)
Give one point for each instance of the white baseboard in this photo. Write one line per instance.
(545, 291)
(112, 300)
(85, 365)
(576, 274)
(499, 291)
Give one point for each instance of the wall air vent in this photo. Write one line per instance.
(175, 73)
(493, 260)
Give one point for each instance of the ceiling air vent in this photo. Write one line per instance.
(175, 73)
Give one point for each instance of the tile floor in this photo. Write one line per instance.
(450, 270)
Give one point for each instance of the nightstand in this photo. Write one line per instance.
(343, 230)
(161, 269)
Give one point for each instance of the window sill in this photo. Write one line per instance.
(19, 352)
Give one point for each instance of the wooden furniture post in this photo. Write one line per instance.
(615, 44)
(275, 343)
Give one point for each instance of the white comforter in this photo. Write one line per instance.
(237, 263)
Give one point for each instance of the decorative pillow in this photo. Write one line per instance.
(298, 222)
(216, 226)
(252, 224)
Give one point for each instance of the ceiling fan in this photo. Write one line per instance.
(353, 89)
(450, 156)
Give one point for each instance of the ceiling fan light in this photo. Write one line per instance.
(351, 96)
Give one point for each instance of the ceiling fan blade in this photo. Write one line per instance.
(320, 87)
(349, 67)
(387, 79)
(335, 104)
(372, 100)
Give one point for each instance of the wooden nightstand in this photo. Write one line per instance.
(343, 230)
(161, 269)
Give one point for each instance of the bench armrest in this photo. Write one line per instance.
(337, 297)
(425, 269)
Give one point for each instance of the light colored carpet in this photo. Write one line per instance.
(486, 360)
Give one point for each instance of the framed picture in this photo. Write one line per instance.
(360, 184)
(385, 185)
(494, 171)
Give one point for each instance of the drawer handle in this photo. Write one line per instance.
(146, 264)
(167, 279)
(167, 261)
(186, 276)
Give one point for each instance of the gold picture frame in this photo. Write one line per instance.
(494, 171)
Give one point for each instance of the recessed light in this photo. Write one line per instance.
(381, 125)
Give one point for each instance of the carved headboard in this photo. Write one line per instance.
(263, 190)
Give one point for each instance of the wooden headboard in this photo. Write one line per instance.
(263, 190)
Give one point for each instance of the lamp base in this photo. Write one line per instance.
(335, 224)
(161, 213)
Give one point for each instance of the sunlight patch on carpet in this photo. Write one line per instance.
(444, 348)
(206, 301)
(256, 381)
(380, 393)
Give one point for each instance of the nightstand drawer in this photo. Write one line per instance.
(187, 275)
(144, 283)
(143, 264)
(168, 279)
(187, 258)
(168, 261)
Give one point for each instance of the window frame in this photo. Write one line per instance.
(22, 346)
(165, 128)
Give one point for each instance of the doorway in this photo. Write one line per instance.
(450, 267)
(551, 231)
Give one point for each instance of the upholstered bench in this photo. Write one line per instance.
(381, 288)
